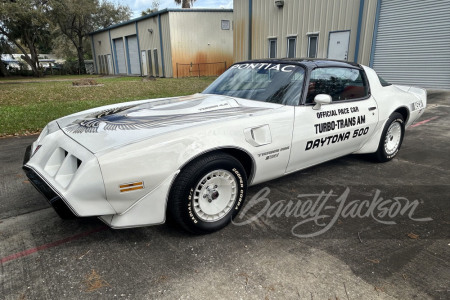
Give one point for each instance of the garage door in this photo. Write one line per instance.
(133, 54)
(120, 56)
(413, 43)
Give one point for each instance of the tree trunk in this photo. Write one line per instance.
(33, 61)
(80, 52)
(33, 64)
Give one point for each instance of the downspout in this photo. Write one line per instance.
(162, 49)
(139, 47)
(375, 33)
(93, 54)
(358, 32)
(250, 15)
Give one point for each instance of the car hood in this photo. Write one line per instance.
(117, 125)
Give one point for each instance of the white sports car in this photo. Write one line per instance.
(193, 157)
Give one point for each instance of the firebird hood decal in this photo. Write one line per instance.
(119, 119)
(160, 113)
(118, 125)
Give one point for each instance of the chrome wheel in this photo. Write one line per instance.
(393, 138)
(214, 195)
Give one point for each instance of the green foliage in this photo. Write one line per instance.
(185, 3)
(24, 23)
(70, 66)
(75, 19)
(154, 8)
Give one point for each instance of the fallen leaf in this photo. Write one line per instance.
(93, 282)
(413, 236)
(375, 261)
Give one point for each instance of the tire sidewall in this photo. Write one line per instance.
(382, 151)
(187, 210)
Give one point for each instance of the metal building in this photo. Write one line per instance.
(167, 43)
(412, 42)
(407, 42)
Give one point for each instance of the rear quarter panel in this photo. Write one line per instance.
(389, 99)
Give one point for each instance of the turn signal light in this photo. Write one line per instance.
(127, 187)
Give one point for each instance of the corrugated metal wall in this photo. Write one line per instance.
(240, 30)
(413, 43)
(298, 18)
(149, 39)
(171, 36)
(166, 45)
(101, 46)
(197, 38)
(368, 21)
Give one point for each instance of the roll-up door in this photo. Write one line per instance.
(120, 56)
(133, 55)
(413, 43)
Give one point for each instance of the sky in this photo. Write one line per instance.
(139, 5)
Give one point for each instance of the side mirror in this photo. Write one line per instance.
(321, 99)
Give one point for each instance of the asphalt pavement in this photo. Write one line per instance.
(396, 250)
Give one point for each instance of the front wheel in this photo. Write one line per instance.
(208, 193)
(391, 139)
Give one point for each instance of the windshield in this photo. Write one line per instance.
(267, 82)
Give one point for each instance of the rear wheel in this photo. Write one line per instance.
(391, 139)
(208, 193)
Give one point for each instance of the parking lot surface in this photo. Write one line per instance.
(268, 253)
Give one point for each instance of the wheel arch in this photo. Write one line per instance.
(243, 156)
(404, 111)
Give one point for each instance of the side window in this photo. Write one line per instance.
(340, 83)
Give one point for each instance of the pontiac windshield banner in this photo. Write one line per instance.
(265, 66)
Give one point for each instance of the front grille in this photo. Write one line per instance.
(62, 166)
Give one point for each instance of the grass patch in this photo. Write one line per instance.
(28, 107)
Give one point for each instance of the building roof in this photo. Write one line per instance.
(161, 12)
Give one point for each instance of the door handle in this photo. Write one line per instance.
(372, 108)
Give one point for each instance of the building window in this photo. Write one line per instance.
(225, 24)
(312, 46)
(291, 45)
(272, 48)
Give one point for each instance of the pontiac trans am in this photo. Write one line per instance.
(192, 157)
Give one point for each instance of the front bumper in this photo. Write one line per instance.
(52, 197)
